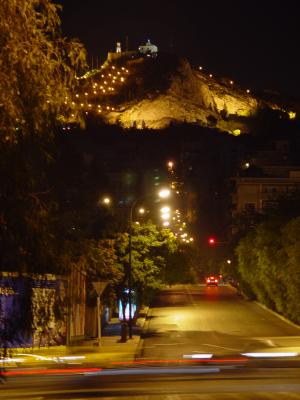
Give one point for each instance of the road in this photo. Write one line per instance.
(198, 319)
(184, 321)
(265, 384)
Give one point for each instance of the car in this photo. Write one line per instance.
(212, 280)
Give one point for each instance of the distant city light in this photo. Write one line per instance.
(292, 115)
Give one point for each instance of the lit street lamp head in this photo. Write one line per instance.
(164, 193)
(106, 201)
(165, 209)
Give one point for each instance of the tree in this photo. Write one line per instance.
(38, 76)
(291, 268)
(268, 265)
(181, 266)
(150, 249)
(37, 68)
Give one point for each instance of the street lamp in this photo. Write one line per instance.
(164, 193)
(106, 201)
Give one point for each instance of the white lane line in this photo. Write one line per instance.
(220, 347)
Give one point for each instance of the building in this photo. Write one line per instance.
(266, 178)
(256, 194)
(148, 49)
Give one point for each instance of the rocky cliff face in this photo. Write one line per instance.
(188, 96)
(153, 93)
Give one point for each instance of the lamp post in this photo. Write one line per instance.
(130, 267)
(164, 193)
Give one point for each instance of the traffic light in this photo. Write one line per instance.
(211, 240)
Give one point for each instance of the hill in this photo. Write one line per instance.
(157, 92)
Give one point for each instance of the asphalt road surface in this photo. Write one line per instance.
(262, 384)
(195, 319)
(184, 321)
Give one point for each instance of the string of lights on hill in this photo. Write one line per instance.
(99, 89)
(96, 89)
(229, 82)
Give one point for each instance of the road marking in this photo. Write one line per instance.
(220, 347)
(163, 344)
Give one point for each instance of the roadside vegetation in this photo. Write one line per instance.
(268, 262)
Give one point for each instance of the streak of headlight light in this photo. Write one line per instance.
(67, 358)
(198, 356)
(12, 360)
(38, 357)
(53, 371)
(266, 355)
(146, 371)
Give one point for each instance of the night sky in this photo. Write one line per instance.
(255, 43)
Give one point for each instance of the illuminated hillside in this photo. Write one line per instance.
(155, 92)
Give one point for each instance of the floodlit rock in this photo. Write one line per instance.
(164, 90)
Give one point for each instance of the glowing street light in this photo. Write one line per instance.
(165, 209)
(106, 201)
(142, 210)
(166, 223)
(164, 193)
(170, 165)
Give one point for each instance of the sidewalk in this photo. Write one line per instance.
(89, 352)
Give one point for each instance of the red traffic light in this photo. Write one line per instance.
(211, 240)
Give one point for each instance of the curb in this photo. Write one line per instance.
(277, 315)
(265, 308)
(138, 352)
